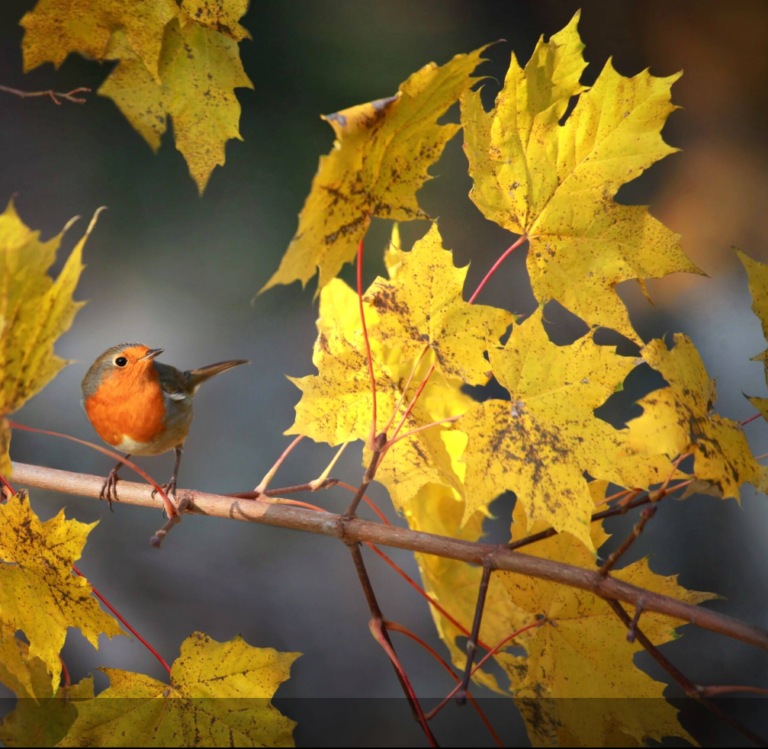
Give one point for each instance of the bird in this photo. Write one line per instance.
(142, 407)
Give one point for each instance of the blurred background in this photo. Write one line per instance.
(173, 270)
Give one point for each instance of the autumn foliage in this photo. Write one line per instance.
(544, 169)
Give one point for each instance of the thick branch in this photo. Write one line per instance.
(351, 531)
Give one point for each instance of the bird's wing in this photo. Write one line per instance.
(172, 381)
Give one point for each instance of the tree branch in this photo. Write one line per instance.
(351, 531)
(55, 95)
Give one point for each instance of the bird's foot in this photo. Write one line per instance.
(169, 489)
(109, 489)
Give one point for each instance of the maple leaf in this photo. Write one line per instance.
(336, 404)
(219, 15)
(54, 28)
(38, 592)
(583, 651)
(17, 670)
(178, 59)
(679, 419)
(556, 183)
(42, 716)
(220, 695)
(758, 287)
(199, 69)
(454, 584)
(541, 442)
(379, 160)
(423, 306)
(34, 311)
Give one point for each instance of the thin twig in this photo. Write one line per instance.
(461, 695)
(379, 632)
(336, 526)
(379, 443)
(394, 627)
(614, 557)
(157, 540)
(372, 435)
(54, 95)
(689, 687)
(602, 515)
(327, 484)
(264, 483)
(495, 649)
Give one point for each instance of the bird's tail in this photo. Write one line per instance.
(198, 376)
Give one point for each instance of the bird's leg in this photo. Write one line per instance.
(109, 487)
(170, 487)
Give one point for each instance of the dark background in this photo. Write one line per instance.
(176, 271)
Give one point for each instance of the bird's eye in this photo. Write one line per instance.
(121, 361)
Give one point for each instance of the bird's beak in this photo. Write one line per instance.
(151, 354)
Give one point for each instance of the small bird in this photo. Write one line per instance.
(142, 407)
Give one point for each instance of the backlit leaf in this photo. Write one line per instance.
(35, 310)
(220, 695)
(39, 593)
(379, 160)
(556, 183)
(540, 443)
(678, 419)
(423, 307)
(582, 651)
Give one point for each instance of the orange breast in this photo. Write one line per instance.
(132, 408)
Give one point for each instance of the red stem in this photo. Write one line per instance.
(65, 673)
(391, 562)
(170, 508)
(394, 627)
(365, 335)
(423, 593)
(495, 267)
(112, 609)
(751, 418)
(490, 653)
(377, 630)
(125, 624)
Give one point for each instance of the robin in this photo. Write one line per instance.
(142, 407)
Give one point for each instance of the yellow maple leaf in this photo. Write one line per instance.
(17, 670)
(219, 15)
(178, 59)
(199, 70)
(46, 722)
(555, 183)
(678, 419)
(54, 28)
(220, 695)
(758, 287)
(423, 306)
(34, 311)
(582, 651)
(42, 715)
(540, 443)
(379, 160)
(454, 585)
(337, 405)
(39, 594)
